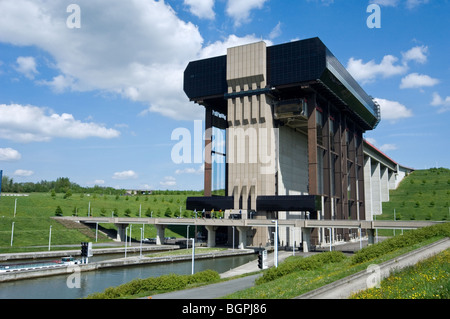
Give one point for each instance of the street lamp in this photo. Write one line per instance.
(126, 240)
(275, 257)
(140, 250)
(193, 254)
(50, 238)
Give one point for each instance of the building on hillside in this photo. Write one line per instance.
(283, 137)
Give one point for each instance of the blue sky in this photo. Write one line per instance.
(97, 102)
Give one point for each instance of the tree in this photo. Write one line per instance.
(67, 194)
(58, 211)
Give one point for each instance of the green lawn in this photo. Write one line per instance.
(32, 221)
(429, 279)
(423, 195)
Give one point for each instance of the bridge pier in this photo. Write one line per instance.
(242, 236)
(371, 236)
(121, 232)
(211, 235)
(160, 234)
(306, 234)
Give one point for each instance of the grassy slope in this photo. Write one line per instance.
(423, 195)
(32, 221)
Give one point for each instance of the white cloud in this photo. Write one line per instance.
(150, 44)
(220, 47)
(9, 154)
(410, 4)
(276, 32)
(415, 80)
(367, 72)
(393, 110)
(240, 10)
(168, 181)
(146, 67)
(417, 54)
(444, 104)
(191, 170)
(23, 173)
(27, 66)
(33, 124)
(388, 147)
(386, 3)
(384, 147)
(125, 175)
(201, 8)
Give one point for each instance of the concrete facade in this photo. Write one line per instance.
(381, 174)
(294, 121)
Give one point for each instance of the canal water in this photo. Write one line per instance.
(55, 287)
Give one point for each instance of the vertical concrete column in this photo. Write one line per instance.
(306, 234)
(384, 184)
(121, 235)
(242, 236)
(371, 236)
(211, 235)
(368, 187)
(208, 156)
(160, 230)
(376, 188)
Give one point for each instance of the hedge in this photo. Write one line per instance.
(169, 282)
(408, 239)
(293, 264)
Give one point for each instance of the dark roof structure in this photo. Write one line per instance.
(290, 66)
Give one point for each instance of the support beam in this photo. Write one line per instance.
(306, 234)
(371, 236)
(121, 235)
(242, 236)
(208, 156)
(211, 235)
(160, 231)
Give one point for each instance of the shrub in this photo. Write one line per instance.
(408, 239)
(293, 264)
(169, 282)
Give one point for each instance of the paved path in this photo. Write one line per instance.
(344, 288)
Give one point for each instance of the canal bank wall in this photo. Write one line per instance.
(73, 253)
(120, 262)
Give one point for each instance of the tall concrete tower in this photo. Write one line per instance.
(293, 119)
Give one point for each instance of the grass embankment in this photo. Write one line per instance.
(33, 217)
(429, 279)
(155, 285)
(423, 195)
(296, 275)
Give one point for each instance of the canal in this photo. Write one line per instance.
(55, 287)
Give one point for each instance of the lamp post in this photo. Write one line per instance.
(275, 257)
(193, 255)
(50, 238)
(126, 240)
(12, 233)
(140, 249)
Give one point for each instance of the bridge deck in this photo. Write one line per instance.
(379, 224)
